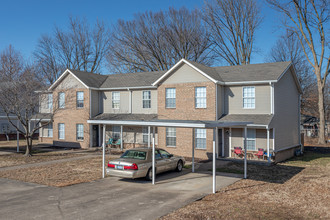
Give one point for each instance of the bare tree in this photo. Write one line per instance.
(17, 94)
(156, 41)
(307, 19)
(79, 47)
(232, 24)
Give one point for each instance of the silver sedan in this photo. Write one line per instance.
(137, 162)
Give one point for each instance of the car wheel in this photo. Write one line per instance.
(179, 166)
(149, 174)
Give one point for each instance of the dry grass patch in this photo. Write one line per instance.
(296, 189)
(59, 174)
(19, 159)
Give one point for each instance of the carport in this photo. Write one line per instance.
(177, 124)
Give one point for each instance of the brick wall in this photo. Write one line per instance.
(185, 110)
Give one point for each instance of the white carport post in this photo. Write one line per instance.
(103, 153)
(214, 161)
(268, 158)
(121, 138)
(17, 134)
(148, 136)
(193, 151)
(153, 156)
(245, 153)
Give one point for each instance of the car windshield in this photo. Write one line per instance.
(134, 154)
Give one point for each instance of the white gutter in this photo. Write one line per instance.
(124, 88)
(246, 82)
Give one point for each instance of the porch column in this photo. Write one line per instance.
(153, 157)
(223, 142)
(229, 142)
(245, 152)
(17, 135)
(214, 161)
(121, 137)
(148, 136)
(268, 145)
(100, 137)
(103, 153)
(217, 142)
(193, 152)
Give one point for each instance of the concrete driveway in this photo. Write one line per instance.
(109, 198)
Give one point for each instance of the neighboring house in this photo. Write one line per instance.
(310, 126)
(7, 130)
(265, 95)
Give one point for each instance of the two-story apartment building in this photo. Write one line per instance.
(264, 95)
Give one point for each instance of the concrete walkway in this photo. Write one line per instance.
(109, 198)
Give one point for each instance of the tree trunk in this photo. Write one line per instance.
(321, 133)
(28, 151)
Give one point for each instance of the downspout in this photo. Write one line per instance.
(299, 121)
(129, 101)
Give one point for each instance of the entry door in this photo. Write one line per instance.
(219, 142)
(95, 135)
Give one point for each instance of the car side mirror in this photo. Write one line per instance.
(170, 155)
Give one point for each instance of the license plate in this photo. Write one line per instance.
(119, 167)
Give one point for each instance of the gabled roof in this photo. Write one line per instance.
(89, 79)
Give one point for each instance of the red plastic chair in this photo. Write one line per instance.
(260, 153)
(238, 151)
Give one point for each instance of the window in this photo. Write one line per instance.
(115, 100)
(115, 132)
(145, 135)
(249, 97)
(165, 154)
(146, 99)
(171, 137)
(50, 101)
(80, 132)
(200, 97)
(170, 98)
(200, 138)
(61, 131)
(80, 99)
(61, 100)
(50, 130)
(250, 139)
(5, 128)
(157, 155)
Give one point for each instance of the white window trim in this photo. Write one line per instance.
(116, 132)
(249, 97)
(146, 99)
(250, 139)
(195, 139)
(171, 98)
(112, 104)
(83, 96)
(59, 100)
(50, 102)
(169, 136)
(59, 131)
(145, 133)
(78, 132)
(200, 97)
(49, 130)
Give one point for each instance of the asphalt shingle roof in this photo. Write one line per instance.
(126, 117)
(90, 79)
(256, 119)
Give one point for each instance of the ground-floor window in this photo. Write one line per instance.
(251, 139)
(80, 132)
(170, 137)
(200, 138)
(116, 132)
(61, 131)
(145, 135)
(50, 130)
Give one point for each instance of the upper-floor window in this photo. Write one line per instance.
(200, 97)
(170, 97)
(251, 139)
(80, 132)
(61, 131)
(61, 100)
(249, 97)
(50, 101)
(115, 100)
(171, 137)
(80, 99)
(146, 99)
(200, 138)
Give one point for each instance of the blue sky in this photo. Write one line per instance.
(22, 22)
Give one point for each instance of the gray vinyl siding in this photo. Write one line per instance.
(233, 101)
(286, 112)
(220, 101)
(12, 129)
(137, 104)
(95, 102)
(124, 102)
(185, 74)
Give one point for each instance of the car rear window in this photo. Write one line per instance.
(134, 154)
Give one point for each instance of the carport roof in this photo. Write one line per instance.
(137, 120)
